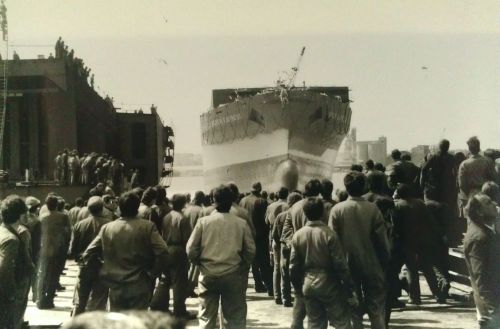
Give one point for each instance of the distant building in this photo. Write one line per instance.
(374, 150)
(418, 153)
(360, 151)
(51, 106)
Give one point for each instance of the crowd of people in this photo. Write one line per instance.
(343, 255)
(88, 169)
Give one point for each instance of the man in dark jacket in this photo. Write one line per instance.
(90, 293)
(439, 174)
(318, 268)
(403, 171)
(417, 235)
(261, 267)
(132, 253)
(481, 248)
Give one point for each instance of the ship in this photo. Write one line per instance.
(280, 136)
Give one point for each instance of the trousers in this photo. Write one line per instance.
(230, 291)
(286, 286)
(372, 294)
(90, 295)
(261, 268)
(49, 271)
(130, 295)
(325, 301)
(176, 279)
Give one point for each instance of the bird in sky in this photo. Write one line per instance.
(424, 67)
(165, 19)
(161, 60)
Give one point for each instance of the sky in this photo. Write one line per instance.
(173, 53)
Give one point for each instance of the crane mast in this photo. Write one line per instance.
(295, 69)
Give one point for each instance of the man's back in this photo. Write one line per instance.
(176, 229)
(193, 212)
(439, 173)
(129, 248)
(312, 243)
(414, 225)
(84, 232)
(73, 215)
(55, 231)
(221, 243)
(473, 173)
(256, 207)
(360, 226)
(241, 212)
(273, 210)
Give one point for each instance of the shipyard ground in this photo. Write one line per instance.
(264, 313)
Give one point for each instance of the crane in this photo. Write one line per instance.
(295, 70)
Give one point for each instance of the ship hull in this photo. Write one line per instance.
(274, 141)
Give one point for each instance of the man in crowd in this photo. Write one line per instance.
(223, 246)
(361, 229)
(261, 268)
(280, 245)
(403, 171)
(132, 252)
(32, 222)
(90, 293)
(55, 233)
(293, 222)
(474, 172)
(194, 211)
(16, 266)
(481, 249)
(328, 202)
(439, 174)
(73, 212)
(444, 218)
(238, 210)
(176, 231)
(319, 269)
(272, 212)
(417, 235)
(147, 209)
(110, 206)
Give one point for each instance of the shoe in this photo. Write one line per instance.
(441, 299)
(45, 306)
(270, 293)
(260, 289)
(397, 304)
(288, 304)
(414, 301)
(278, 301)
(60, 288)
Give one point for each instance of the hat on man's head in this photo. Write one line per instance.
(256, 187)
(31, 201)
